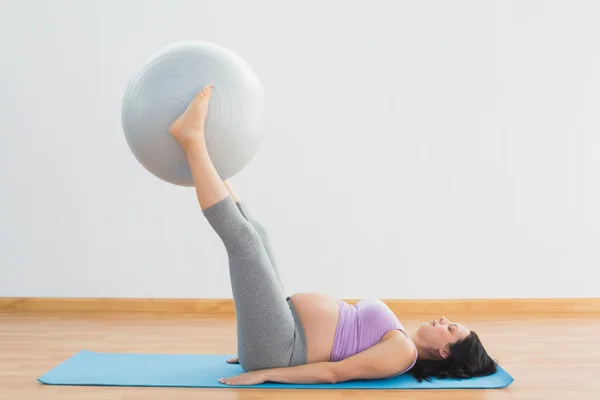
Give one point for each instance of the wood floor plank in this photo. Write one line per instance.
(219, 307)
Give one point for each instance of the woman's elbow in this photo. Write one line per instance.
(332, 375)
(336, 376)
(332, 378)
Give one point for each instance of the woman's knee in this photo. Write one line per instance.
(244, 238)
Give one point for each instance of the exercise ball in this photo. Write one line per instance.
(163, 88)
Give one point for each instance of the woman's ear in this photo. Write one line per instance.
(445, 352)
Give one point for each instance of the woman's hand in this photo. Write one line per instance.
(246, 379)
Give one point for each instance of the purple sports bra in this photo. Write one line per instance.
(362, 325)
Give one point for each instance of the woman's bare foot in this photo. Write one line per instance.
(189, 126)
(233, 361)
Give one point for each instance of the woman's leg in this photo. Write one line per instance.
(266, 241)
(258, 227)
(266, 326)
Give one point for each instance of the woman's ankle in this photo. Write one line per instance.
(195, 149)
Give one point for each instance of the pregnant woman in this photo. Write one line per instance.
(311, 337)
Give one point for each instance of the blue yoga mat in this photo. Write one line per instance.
(203, 370)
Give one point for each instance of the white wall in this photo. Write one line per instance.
(415, 149)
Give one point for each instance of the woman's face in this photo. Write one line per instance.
(437, 335)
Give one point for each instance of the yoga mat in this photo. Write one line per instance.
(203, 370)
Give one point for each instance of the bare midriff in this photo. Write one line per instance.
(319, 315)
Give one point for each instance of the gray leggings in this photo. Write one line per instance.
(269, 332)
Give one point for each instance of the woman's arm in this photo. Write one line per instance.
(322, 372)
(392, 355)
(308, 373)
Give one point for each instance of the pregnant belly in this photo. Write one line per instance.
(319, 315)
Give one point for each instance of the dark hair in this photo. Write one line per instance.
(467, 359)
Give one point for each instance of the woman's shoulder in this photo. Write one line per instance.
(406, 349)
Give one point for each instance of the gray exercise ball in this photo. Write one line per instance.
(161, 91)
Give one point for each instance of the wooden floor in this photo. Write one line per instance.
(550, 357)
